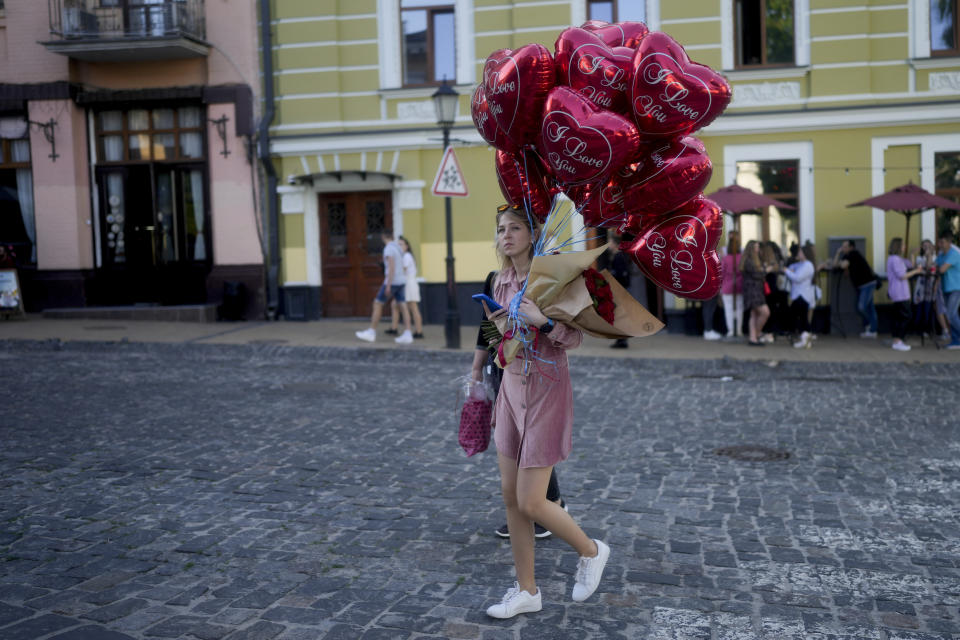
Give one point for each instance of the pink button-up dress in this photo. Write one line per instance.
(533, 415)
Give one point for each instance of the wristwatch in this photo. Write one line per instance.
(547, 326)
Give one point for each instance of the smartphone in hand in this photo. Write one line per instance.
(491, 303)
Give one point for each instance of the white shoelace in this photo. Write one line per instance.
(582, 566)
(511, 593)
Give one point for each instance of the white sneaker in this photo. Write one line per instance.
(589, 571)
(711, 335)
(868, 334)
(367, 335)
(901, 346)
(404, 338)
(515, 601)
(804, 341)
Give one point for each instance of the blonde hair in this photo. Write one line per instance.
(529, 221)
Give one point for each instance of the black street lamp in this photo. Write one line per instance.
(445, 101)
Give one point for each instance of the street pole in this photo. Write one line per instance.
(452, 323)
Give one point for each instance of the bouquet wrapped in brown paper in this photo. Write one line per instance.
(556, 285)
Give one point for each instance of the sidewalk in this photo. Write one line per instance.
(340, 333)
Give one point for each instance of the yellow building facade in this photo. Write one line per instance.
(833, 101)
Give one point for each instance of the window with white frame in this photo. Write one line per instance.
(765, 33)
(944, 27)
(428, 42)
(947, 181)
(605, 10)
(777, 179)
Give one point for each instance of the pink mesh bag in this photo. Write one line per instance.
(475, 414)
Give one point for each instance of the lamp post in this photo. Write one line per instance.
(445, 101)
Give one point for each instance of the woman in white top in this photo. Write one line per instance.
(802, 294)
(412, 289)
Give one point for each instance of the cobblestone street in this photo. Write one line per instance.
(296, 493)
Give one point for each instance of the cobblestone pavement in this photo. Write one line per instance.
(259, 492)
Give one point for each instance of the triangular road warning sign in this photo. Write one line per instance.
(449, 180)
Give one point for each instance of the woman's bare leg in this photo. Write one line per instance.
(520, 526)
(417, 319)
(531, 496)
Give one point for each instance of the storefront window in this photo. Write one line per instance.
(777, 179)
(17, 225)
(142, 135)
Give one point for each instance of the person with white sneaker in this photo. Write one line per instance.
(800, 274)
(394, 283)
(898, 290)
(533, 420)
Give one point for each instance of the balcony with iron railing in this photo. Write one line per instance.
(127, 30)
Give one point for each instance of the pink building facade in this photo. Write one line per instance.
(128, 174)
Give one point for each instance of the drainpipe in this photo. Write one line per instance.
(273, 222)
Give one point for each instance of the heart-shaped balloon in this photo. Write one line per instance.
(582, 142)
(587, 65)
(619, 34)
(485, 124)
(523, 179)
(515, 84)
(601, 203)
(670, 94)
(664, 178)
(679, 252)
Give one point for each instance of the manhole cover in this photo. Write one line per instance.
(752, 454)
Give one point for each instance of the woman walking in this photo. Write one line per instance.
(753, 297)
(802, 296)
(898, 275)
(412, 287)
(533, 420)
(731, 288)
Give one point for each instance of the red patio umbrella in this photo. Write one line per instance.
(909, 199)
(737, 200)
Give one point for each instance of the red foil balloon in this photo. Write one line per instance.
(587, 65)
(619, 34)
(601, 204)
(515, 84)
(679, 252)
(667, 177)
(672, 95)
(582, 142)
(485, 124)
(523, 179)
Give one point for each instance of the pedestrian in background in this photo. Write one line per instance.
(533, 429)
(775, 290)
(865, 282)
(948, 263)
(392, 288)
(928, 302)
(754, 300)
(802, 296)
(618, 265)
(898, 289)
(731, 287)
(411, 292)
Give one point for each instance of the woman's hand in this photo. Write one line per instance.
(531, 313)
(492, 315)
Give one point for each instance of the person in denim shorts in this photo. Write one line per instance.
(392, 288)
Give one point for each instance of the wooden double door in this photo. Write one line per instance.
(351, 250)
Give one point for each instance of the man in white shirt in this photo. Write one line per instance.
(392, 288)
